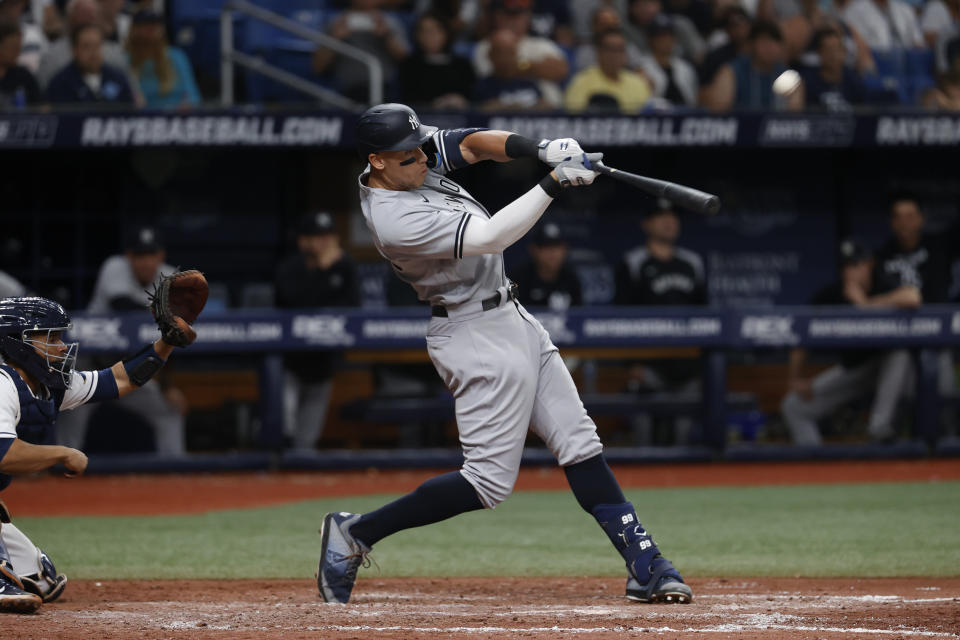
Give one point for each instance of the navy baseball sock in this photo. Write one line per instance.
(593, 483)
(436, 499)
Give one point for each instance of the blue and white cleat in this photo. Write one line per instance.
(665, 584)
(13, 599)
(340, 557)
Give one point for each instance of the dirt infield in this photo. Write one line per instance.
(197, 493)
(499, 608)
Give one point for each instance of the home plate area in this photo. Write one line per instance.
(498, 608)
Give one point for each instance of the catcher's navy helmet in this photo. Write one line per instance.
(22, 322)
(390, 127)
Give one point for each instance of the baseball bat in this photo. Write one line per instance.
(686, 197)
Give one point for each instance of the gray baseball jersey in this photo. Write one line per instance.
(420, 231)
(505, 374)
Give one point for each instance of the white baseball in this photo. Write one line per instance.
(786, 83)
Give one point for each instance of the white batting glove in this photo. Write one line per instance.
(553, 152)
(578, 171)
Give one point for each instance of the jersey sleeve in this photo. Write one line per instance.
(9, 407)
(89, 386)
(443, 149)
(436, 234)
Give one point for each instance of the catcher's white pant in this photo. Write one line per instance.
(507, 377)
(23, 553)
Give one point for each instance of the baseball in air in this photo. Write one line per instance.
(786, 83)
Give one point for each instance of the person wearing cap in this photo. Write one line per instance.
(860, 372)
(540, 59)
(123, 285)
(608, 85)
(319, 275)
(660, 273)
(124, 279)
(164, 72)
(547, 280)
(674, 79)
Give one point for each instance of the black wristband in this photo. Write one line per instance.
(517, 146)
(551, 186)
(143, 365)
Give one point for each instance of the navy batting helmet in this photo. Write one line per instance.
(390, 127)
(26, 325)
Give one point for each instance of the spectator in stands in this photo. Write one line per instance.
(674, 80)
(114, 23)
(319, 275)
(732, 41)
(60, 53)
(885, 24)
(604, 19)
(747, 82)
(832, 85)
(365, 26)
(434, 76)
(788, 15)
(87, 78)
(33, 43)
(18, 88)
(946, 95)
(583, 11)
(860, 372)
(547, 280)
(539, 59)
(940, 23)
(122, 286)
(608, 85)
(509, 86)
(690, 43)
(163, 72)
(660, 273)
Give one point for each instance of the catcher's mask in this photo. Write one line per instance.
(27, 327)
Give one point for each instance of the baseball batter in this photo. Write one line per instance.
(496, 359)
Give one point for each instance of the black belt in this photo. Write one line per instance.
(492, 302)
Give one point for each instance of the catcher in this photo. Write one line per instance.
(37, 381)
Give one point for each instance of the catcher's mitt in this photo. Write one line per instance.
(176, 302)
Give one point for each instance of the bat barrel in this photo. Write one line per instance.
(678, 194)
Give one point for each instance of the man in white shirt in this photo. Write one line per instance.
(885, 24)
(540, 59)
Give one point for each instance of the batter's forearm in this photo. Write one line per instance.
(508, 225)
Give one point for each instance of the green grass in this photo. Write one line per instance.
(836, 530)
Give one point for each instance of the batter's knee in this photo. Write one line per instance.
(492, 487)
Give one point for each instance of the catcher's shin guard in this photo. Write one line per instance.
(48, 584)
(653, 578)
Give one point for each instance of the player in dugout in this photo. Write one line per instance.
(37, 381)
